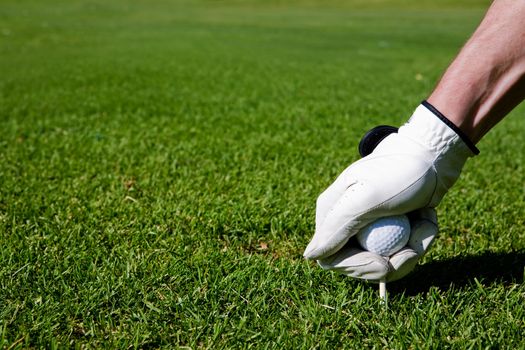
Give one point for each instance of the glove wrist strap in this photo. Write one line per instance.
(451, 125)
(435, 133)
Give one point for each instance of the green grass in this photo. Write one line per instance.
(160, 161)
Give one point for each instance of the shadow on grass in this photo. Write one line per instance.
(505, 268)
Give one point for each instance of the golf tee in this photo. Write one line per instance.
(382, 292)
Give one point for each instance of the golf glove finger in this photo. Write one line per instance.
(408, 170)
(355, 262)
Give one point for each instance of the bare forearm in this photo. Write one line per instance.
(487, 79)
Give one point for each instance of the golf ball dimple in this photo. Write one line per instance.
(385, 236)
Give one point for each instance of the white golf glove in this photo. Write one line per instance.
(409, 172)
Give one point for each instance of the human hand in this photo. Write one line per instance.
(407, 171)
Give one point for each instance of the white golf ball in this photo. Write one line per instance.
(385, 236)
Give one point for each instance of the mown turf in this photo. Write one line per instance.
(160, 163)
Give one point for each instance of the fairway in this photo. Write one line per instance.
(160, 163)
